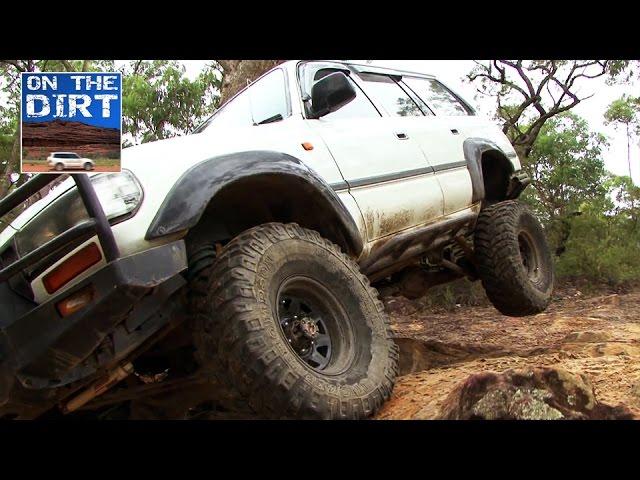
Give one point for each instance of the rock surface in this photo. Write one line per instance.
(41, 138)
(594, 340)
(530, 394)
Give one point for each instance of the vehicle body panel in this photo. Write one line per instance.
(370, 155)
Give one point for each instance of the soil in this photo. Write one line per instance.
(597, 336)
(30, 168)
(454, 364)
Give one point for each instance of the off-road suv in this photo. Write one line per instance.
(63, 160)
(241, 258)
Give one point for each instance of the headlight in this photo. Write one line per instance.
(119, 193)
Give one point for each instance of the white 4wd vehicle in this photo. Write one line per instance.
(62, 160)
(253, 242)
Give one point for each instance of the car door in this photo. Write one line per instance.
(75, 160)
(387, 174)
(67, 160)
(441, 135)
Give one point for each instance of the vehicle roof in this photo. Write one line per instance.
(367, 68)
(377, 69)
(53, 153)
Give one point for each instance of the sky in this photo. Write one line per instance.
(453, 74)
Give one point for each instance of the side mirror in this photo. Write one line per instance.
(330, 94)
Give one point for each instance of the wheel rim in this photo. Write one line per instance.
(529, 256)
(314, 324)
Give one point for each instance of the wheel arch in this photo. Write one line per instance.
(493, 176)
(222, 196)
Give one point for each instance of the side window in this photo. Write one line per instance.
(359, 107)
(392, 97)
(234, 114)
(436, 95)
(268, 98)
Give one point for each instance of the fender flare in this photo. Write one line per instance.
(474, 148)
(187, 200)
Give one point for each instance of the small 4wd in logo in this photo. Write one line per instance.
(71, 122)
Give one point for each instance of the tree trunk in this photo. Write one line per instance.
(13, 163)
(629, 151)
(236, 74)
(523, 152)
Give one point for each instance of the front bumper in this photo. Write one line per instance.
(40, 350)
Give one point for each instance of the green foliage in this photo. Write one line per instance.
(591, 218)
(604, 244)
(622, 71)
(567, 170)
(160, 102)
(624, 111)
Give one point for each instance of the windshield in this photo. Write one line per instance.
(265, 101)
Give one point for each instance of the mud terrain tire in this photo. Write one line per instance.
(514, 261)
(245, 299)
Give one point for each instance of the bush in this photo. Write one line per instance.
(601, 249)
(448, 296)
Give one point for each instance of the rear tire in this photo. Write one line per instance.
(59, 167)
(294, 326)
(514, 261)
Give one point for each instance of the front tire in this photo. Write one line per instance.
(295, 326)
(88, 166)
(514, 261)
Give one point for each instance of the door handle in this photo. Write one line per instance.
(402, 135)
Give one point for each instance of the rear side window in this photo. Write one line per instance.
(392, 97)
(66, 155)
(268, 98)
(436, 96)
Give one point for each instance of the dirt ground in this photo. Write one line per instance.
(598, 336)
(31, 168)
(594, 335)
